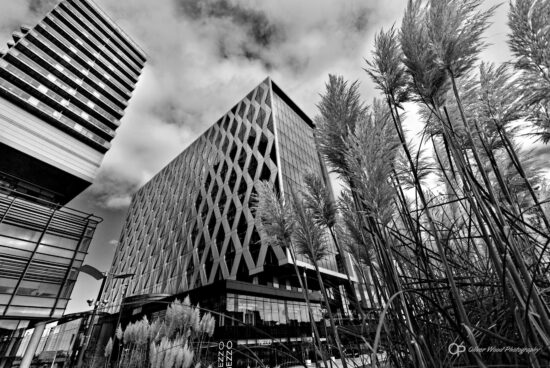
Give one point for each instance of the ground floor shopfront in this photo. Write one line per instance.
(265, 324)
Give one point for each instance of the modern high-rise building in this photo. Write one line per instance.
(64, 86)
(192, 228)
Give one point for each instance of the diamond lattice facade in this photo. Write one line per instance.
(193, 225)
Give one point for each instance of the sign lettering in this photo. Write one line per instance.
(225, 354)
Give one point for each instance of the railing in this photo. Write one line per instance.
(61, 17)
(86, 59)
(111, 54)
(37, 52)
(83, 65)
(39, 205)
(24, 97)
(59, 53)
(56, 81)
(65, 104)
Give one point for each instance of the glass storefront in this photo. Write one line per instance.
(262, 311)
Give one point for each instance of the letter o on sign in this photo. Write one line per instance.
(221, 345)
(229, 344)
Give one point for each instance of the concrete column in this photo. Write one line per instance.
(33, 344)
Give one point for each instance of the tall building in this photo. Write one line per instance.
(64, 86)
(192, 229)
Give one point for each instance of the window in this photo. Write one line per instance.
(33, 101)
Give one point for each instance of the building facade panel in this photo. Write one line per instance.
(34, 137)
(298, 157)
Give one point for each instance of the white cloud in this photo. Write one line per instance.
(203, 56)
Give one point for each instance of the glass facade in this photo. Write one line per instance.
(12, 335)
(60, 338)
(298, 157)
(265, 311)
(41, 249)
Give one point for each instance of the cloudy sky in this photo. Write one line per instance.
(203, 56)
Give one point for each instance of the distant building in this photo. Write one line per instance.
(192, 228)
(64, 85)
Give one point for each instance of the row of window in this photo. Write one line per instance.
(61, 55)
(298, 157)
(104, 26)
(63, 86)
(39, 55)
(83, 60)
(43, 90)
(74, 30)
(25, 97)
(262, 311)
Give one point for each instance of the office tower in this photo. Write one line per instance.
(191, 229)
(64, 86)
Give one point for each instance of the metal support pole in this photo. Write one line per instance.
(33, 345)
(118, 322)
(90, 325)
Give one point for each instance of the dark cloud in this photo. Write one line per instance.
(361, 20)
(256, 23)
(204, 55)
(112, 190)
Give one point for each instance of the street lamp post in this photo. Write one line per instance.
(91, 321)
(98, 275)
(122, 276)
(123, 296)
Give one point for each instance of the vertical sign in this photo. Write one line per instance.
(225, 354)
